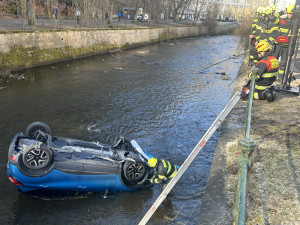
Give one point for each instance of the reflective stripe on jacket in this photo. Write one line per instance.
(269, 32)
(268, 69)
(285, 28)
(165, 170)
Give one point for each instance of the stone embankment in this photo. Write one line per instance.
(274, 179)
(21, 49)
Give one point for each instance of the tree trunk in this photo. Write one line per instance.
(47, 8)
(31, 13)
(198, 11)
(110, 10)
(177, 10)
(23, 9)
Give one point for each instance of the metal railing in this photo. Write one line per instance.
(50, 23)
(247, 146)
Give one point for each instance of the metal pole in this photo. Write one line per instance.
(292, 43)
(247, 146)
(192, 156)
(243, 195)
(17, 13)
(248, 120)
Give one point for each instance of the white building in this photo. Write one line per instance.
(282, 4)
(234, 5)
(221, 5)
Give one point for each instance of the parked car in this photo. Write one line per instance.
(140, 17)
(40, 161)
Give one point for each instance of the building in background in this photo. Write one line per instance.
(214, 9)
(282, 4)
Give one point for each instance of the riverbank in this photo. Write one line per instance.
(274, 183)
(24, 49)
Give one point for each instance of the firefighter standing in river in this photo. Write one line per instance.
(164, 170)
(268, 66)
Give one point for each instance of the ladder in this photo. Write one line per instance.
(221, 117)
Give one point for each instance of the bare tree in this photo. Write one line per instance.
(23, 9)
(212, 13)
(184, 7)
(31, 13)
(110, 10)
(47, 8)
(198, 9)
(178, 9)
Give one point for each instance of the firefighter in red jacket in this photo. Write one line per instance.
(268, 67)
(164, 170)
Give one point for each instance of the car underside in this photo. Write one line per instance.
(40, 161)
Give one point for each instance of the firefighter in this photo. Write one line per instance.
(275, 17)
(256, 21)
(164, 170)
(255, 31)
(267, 73)
(269, 30)
(282, 40)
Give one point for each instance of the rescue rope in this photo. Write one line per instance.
(234, 57)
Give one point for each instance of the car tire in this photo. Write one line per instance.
(37, 156)
(32, 129)
(134, 171)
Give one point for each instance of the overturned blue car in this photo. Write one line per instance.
(40, 161)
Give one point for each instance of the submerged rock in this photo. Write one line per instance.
(21, 77)
(225, 77)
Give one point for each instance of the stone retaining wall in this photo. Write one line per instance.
(26, 49)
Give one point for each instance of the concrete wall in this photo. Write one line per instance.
(26, 49)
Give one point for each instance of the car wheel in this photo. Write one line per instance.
(134, 171)
(33, 130)
(37, 156)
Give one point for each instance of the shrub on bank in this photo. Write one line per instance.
(244, 28)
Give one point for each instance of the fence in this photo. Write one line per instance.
(51, 23)
(247, 146)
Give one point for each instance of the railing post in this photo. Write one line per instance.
(247, 146)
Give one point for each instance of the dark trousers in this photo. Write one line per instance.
(262, 94)
(253, 55)
(281, 51)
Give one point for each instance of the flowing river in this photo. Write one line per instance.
(156, 94)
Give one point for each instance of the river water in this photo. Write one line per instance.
(155, 94)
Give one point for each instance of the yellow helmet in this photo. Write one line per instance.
(273, 7)
(259, 10)
(268, 11)
(152, 162)
(262, 11)
(290, 8)
(263, 46)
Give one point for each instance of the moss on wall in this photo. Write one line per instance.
(167, 36)
(21, 57)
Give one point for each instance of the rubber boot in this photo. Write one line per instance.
(274, 95)
(267, 95)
